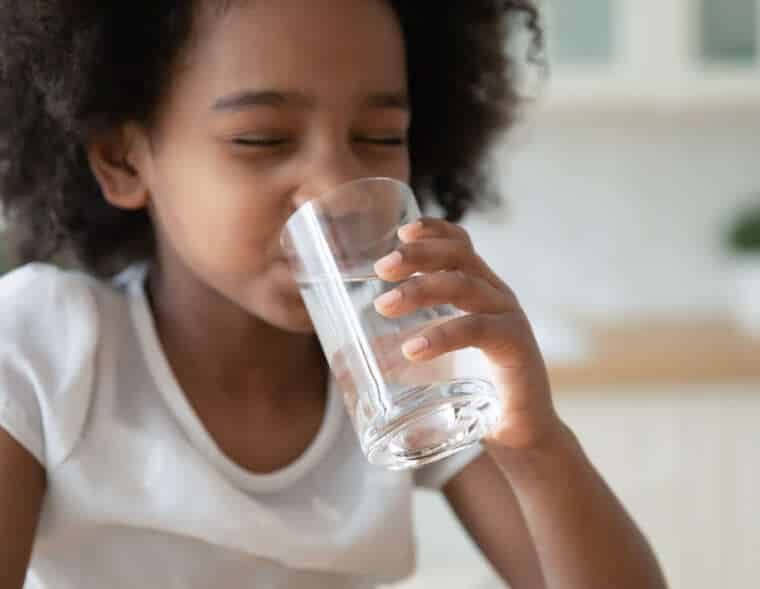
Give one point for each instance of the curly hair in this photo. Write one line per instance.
(71, 69)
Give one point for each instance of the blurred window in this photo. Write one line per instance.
(728, 30)
(581, 31)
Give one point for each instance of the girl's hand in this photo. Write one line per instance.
(453, 273)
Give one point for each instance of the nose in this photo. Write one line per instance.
(333, 169)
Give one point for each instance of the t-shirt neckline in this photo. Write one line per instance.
(193, 427)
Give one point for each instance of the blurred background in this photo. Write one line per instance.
(631, 233)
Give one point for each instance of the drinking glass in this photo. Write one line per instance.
(406, 414)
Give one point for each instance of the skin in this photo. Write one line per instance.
(220, 173)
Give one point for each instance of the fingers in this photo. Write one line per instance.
(429, 227)
(465, 291)
(428, 255)
(431, 245)
(503, 335)
(437, 265)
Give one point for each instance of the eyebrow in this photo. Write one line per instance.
(248, 99)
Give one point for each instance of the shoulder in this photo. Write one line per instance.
(24, 289)
(48, 340)
(44, 308)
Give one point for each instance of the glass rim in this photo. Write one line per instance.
(326, 196)
(332, 193)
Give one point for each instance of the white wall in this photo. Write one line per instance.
(622, 217)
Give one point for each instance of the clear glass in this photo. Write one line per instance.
(729, 31)
(405, 413)
(581, 31)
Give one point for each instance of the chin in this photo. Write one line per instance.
(293, 326)
(298, 318)
(292, 316)
(286, 309)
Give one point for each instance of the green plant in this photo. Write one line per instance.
(744, 232)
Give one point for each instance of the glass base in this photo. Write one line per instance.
(434, 422)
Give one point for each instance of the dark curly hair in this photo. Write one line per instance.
(71, 69)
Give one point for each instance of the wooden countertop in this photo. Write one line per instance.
(662, 352)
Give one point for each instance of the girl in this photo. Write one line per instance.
(166, 417)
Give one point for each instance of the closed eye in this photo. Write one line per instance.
(389, 141)
(260, 141)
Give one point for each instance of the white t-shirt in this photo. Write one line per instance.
(139, 495)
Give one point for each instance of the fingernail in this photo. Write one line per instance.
(389, 298)
(389, 262)
(414, 226)
(415, 346)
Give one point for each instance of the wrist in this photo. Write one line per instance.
(549, 455)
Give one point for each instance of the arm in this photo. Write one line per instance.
(487, 508)
(549, 505)
(582, 536)
(21, 492)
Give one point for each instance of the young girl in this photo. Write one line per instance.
(167, 418)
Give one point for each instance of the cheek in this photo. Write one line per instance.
(221, 219)
(397, 167)
(406, 168)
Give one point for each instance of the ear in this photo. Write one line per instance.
(116, 159)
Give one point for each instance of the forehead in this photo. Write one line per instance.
(328, 48)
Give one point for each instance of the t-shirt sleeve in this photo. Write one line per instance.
(472, 363)
(19, 408)
(48, 333)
